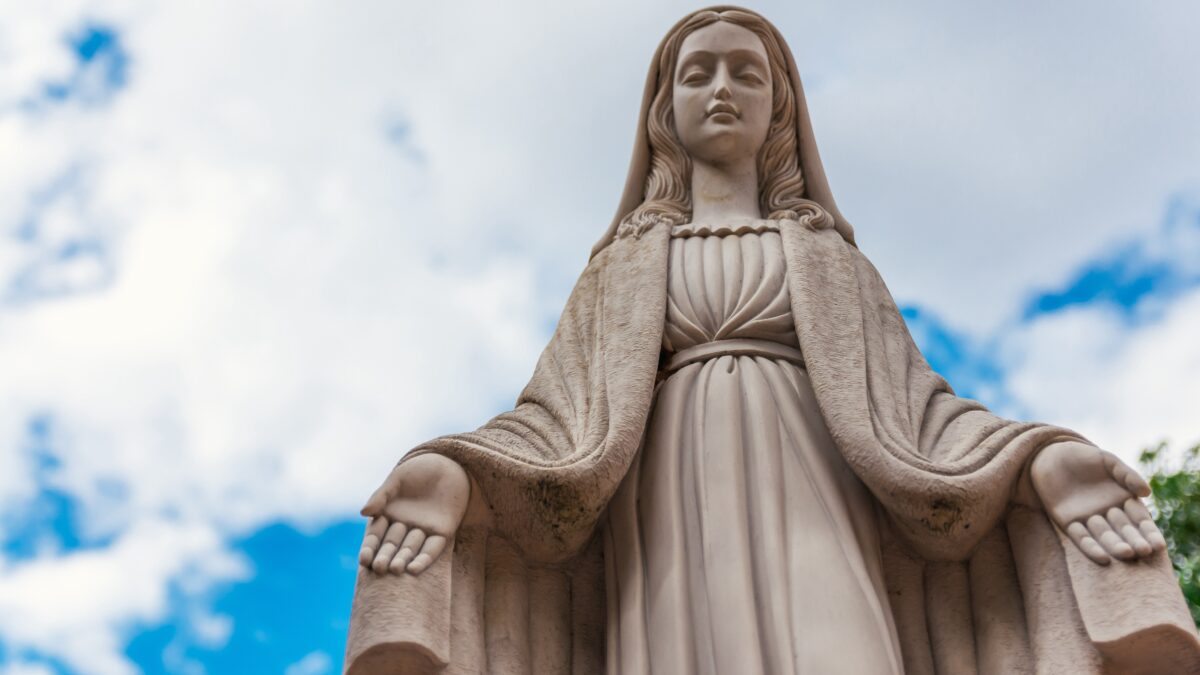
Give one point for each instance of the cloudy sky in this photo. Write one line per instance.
(251, 252)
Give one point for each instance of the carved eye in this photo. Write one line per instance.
(751, 77)
(695, 76)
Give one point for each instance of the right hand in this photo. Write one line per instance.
(414, 514)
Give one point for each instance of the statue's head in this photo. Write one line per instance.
(723, 95)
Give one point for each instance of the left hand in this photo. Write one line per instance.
(1095, 499)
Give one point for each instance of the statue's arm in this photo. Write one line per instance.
(1089, 494)
(962, 460)
(520, 466)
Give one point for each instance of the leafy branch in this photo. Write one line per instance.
(1175, 504)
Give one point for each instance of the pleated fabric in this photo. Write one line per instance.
(740, 541)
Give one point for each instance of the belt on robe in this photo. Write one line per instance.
(736, 347)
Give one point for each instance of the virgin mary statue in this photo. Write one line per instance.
(732, 458)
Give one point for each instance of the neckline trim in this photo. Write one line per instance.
(754, 226)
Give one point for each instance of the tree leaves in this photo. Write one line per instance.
(1176, 507)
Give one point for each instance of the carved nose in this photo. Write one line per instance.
(722, 93)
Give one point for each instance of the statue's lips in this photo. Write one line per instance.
(722, 112)
(722, 117)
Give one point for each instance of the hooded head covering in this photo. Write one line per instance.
(816, 186)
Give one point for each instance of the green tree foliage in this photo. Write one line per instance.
(1176, 507)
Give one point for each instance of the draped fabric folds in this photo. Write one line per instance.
(740, 541)
(970, 579)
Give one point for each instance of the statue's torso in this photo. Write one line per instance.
(741, 541)
(727, 287)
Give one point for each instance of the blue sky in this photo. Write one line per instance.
(251, 254)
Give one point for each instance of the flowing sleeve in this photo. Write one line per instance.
(548, 467)
(960, 462)
(944, 467)
(524, 582)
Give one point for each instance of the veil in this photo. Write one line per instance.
(816, 184)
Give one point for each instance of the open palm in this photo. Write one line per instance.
(1095, 499)
(414, 515)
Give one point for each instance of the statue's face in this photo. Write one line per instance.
(722, 94)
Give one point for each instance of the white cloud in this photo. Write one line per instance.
(77, 606)
(998, 147)
(276, 333)
(276, 327)
(1125, 388)
(314, 663)
(1122, 368)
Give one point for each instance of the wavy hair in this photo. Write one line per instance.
(668, 192)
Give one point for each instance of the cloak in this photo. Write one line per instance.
(978, 579)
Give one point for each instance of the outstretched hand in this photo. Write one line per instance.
(1095, 499)
(414, 515)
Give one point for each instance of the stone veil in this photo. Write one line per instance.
(978, 579)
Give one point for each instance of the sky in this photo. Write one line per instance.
(251, 252)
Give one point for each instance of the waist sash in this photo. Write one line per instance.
(736, 347)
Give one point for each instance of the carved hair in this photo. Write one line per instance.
(668, 193)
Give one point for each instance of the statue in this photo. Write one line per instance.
(731, 457)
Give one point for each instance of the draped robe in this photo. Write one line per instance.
(976, 582)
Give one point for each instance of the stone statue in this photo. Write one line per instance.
(731, 458)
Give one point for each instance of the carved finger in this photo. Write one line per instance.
(387, 550)
(1126, 476)
(1111, 541)
(379, 498)
(429, 552)
(1140, 515)
(1116, 468)
(370, 545)
(1137, 511)
(1121, 524)
(397, 564)
(1136, 484)
(395, 534)
(1153, 535)
(1090, 547)
(376, 502)
(408, 550)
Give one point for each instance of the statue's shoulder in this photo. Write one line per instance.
(646, 250)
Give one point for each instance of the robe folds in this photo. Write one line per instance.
(977, 582)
